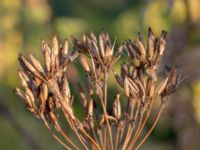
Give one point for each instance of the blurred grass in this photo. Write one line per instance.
(25, 23)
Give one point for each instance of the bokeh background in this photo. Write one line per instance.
(24, 23)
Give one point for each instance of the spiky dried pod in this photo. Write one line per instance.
(116, 107)
(84, 63)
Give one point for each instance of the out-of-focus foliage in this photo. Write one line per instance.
(24, 23)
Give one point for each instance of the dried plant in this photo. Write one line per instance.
(47, 93)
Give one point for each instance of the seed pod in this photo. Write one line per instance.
(126, 87)
(116, 107)
(52, 117)
(23, 79)
(150, 89)
(26, 63)
(43, 93)
(91, 112)
(65, 48)
(65, 89)
(162, 42)
(101, 46)
(55, 47)
(47, 59)
(84, 63)
(36, 64)
(20, 94)
(30, 100)
(162, 86)
(133, 85)
(150, 45)
(141, 48)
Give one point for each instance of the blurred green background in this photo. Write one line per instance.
(24, 23)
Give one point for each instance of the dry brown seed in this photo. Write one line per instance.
(20, 94)
(30, 100)
(162, 86)
(36, 64)
(23, 79)
(84, 63)
(116, 107)
(90, 107)
(27, 64)
(133, 85)
(43, 93)
(55, 46)
(126, 87)
(141, 48)
(47, 58)
(65, 48)
(101, 46)
(162, 42)
(65, 90)
(150, 44)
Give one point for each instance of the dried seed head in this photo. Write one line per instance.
(126, 87)
(47, 58)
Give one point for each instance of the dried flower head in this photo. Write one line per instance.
(46, 90)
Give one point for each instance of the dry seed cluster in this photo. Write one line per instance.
(46, 89)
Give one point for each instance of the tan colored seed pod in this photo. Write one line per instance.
(116, 107)
(30, 100)
(36, 64)
(23, 79)
(26, 63)
(141, 48)
(20, 94)
(133, 85)
(47, 58)
(126, 87)
(150, 45)
(162, 86)
(84, 63)
(43, 93)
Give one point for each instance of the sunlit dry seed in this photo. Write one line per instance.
(116, 107)
(23, 79)
(84, 63)
(150, 45)
(36, 64)
(162, 86)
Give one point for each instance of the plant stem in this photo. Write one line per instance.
(153, 126)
